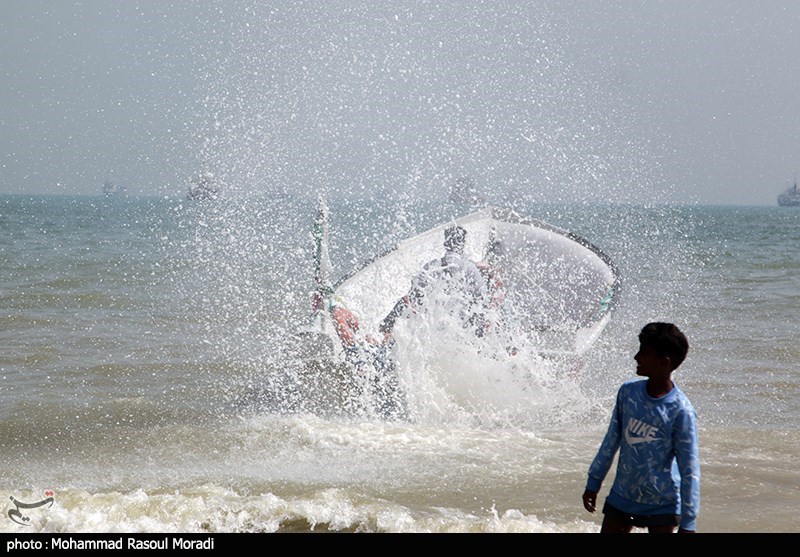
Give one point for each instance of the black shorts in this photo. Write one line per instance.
(641, 520)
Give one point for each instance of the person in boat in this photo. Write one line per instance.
(498, 312)
(492, 275)
(458, 277)
(369, 358)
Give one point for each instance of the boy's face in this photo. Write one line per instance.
(650, 363)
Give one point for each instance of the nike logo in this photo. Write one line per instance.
(639, 432)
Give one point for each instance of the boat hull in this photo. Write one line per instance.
(561, 287)
(559, 291)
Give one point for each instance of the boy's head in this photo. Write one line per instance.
(666, 340)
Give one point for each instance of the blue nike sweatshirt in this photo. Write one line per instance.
(658, 471)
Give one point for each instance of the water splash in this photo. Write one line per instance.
(378, 102)
(382, 109)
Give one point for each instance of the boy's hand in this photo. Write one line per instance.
(590, 500)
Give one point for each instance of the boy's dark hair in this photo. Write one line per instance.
(667, 340)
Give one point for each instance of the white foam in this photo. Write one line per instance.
(211, 508)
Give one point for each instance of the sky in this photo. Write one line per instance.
(641, 101)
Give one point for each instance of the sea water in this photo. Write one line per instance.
(136, 330)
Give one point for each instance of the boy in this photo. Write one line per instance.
(654, 427)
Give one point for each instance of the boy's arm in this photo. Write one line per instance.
(688, 459)
(605, 455)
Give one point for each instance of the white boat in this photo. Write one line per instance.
(790, 197)
(113, 189)
(465, 191)
(203, 187)
(561, 287)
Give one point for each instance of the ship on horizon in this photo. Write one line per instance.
(791, 196)
(203, 187)
(112, 189)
